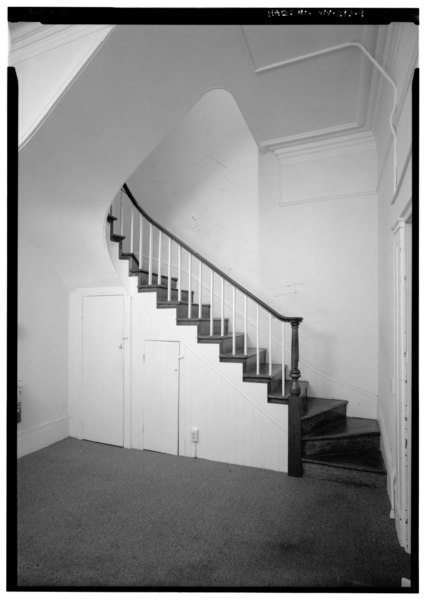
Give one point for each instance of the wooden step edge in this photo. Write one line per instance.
(217, 337)
(342, 435)
(264, 377)
(335, 460)
(163, 303)
(308, 415)
(251, 353)
(116, 237)
(111, 218)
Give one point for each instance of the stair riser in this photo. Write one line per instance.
(182, 311)
(343, 475)
(335, 415)
(204, 327)
(251, 362)
(163, 295)
(227, 344)
(133, 263)
(143, 279)
(353, 443)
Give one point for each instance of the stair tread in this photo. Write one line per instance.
(264, 372)
(196, 319)
(165, 302)
(251, 351)
(365, 461)
(278, 392)
(348, 427)
(116, 237)
(318, 405)
(219, 337)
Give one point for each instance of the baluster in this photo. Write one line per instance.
(140, 253)
(270, 344)
(189, 299)
(179, 274)
(257, 339)
(245, 325)
(211, 302)
(233, 320)
(295, 372)
(150, 253)
(131, 242)
(222, 308)
(169, 269)
(200, 290)
(282, 358)
(160, 259)
(121, 213)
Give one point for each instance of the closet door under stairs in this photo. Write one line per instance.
(103, 369)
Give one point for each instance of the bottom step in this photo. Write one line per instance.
(365, 468)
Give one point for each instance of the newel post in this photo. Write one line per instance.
(295, 407)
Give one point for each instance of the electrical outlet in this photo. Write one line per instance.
(194, 434)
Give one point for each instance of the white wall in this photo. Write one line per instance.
(46, 59)
(399, 58)
(318, 259)
(42, 350)
(201, 183)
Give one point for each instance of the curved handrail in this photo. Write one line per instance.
(208, 263)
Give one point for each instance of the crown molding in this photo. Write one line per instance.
(29, 42)
(371, 193)
(324, 143)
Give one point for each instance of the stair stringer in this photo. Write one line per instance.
(236, 423)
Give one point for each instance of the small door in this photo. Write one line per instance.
(102, 366)
(160, 402)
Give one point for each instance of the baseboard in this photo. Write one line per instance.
(42, 435)
(387, 457)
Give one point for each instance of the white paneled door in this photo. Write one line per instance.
(161, 398)
(103, 369)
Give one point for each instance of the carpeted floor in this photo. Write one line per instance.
(97, 515)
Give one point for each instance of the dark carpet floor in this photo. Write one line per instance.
(97, 515)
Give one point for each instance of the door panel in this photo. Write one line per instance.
(160, 410)
(102, 368)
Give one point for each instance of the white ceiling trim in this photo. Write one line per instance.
(36, 41)
(371, 193)
(324, 143)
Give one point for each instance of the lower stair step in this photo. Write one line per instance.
(349, 434)
(364, 468)
(276, 396)
(319, 412)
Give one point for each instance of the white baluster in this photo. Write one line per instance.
(270, 344)
(150, 253)
(283, 358)
(179, 273)
(131, 243)
(211, 302)
(245, 325)
(189, 300)
(169, 269)
(222, 308)
(200, 290)
(140, 253)
(160, 259)
(257, 339)
(233, 320)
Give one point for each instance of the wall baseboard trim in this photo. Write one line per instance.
(387, 456)
(42, 435)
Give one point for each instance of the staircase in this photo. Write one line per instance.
(323, 441)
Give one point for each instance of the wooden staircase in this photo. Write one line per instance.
(328, 444)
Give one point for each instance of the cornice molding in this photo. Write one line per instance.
(34, 41)
(324, 143)
(371, 193)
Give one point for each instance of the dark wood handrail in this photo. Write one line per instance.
(208, 263)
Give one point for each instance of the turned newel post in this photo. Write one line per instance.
(295, 407)
(295, 372)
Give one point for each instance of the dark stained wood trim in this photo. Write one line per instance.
(295, 435)
(207, 263)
